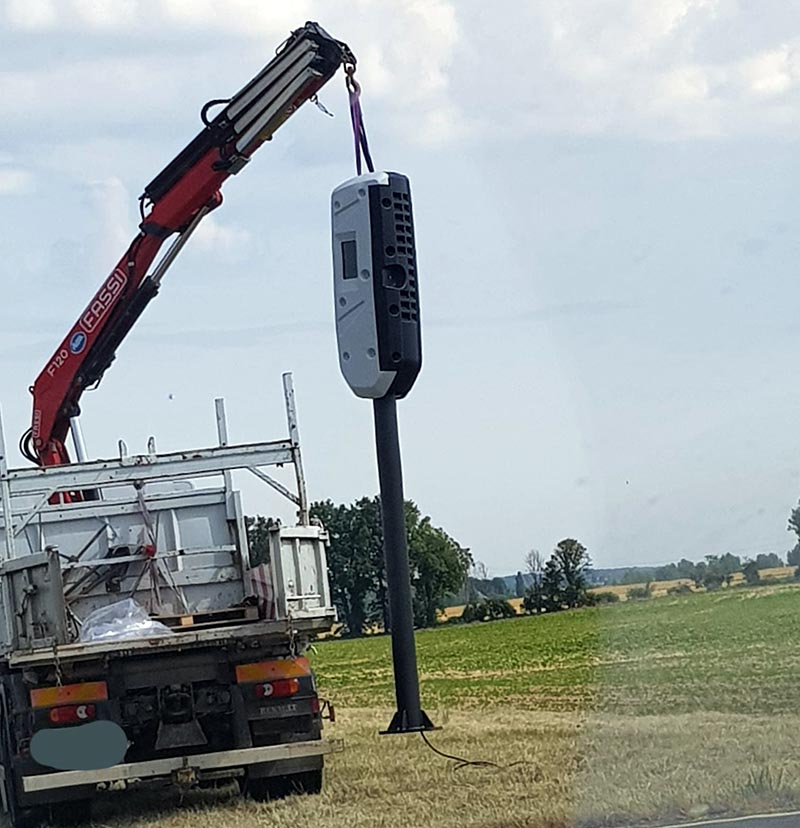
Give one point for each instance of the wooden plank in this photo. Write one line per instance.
(221, 616)
(209, 625)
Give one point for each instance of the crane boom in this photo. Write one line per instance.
(174, 202)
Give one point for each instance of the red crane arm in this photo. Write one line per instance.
(178, 198)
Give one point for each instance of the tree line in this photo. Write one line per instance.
(444, 573)
(560, 583)
(716, 569)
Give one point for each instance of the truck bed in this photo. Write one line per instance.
(279, 633)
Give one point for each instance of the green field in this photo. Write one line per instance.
(736, 651)
(629, 714)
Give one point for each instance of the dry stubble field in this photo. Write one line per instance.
(625, 714)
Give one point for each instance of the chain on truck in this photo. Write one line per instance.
(210, 681)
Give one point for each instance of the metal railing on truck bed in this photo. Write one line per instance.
(153, 536)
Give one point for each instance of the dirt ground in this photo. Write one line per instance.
(555, 770)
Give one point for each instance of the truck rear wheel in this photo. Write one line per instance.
(17, 816)
(21, 817)
(72, 812)
(268, 788)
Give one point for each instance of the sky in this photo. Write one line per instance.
(607, 231)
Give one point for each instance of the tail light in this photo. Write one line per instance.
(278, 689)
(73, 714)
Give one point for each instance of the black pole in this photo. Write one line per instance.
(409, 716)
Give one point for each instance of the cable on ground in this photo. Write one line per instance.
(469, 763)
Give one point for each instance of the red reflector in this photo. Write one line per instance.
(73, 714)
(271, 670)
(278, 689)
(315, 705)
(91, 691)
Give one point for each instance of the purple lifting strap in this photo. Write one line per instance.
(359, 132)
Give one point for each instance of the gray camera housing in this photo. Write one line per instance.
(375, 285)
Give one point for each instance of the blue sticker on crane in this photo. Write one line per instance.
(78, 342)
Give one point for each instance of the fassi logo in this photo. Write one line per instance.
(77, 342)
(103, 301)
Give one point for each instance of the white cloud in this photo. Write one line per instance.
(244, 17)
(222, 238)
(15, 181)
(595, 41)
(438, 72)
(241, 16)
(685, 84)
(73, 90)
(31, 14)
(114, 226)
(404, 50)
(772, 73)
(106, 13)
(658, 70)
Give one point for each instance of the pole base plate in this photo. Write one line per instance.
(400, 724)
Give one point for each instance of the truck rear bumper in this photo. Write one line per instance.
(182, 768)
